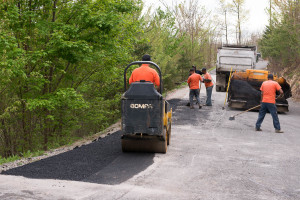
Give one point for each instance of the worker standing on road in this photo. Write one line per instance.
(193, 82)
(145, 72)
(209, 86)
(268, 93)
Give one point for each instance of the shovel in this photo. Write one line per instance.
(233, 116)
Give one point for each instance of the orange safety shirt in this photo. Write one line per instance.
(144, 72)
(208, 76)
(193, 81)
(269, 89)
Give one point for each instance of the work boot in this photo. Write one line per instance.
(191, 107)
(258, 129)
(200, 106)
(278, 131)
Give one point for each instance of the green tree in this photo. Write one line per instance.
(281, 42)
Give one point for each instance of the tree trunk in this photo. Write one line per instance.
(226, 28)
(270, 12)
(54, 10)
(239, 26)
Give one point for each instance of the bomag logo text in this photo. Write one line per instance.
(141, 106)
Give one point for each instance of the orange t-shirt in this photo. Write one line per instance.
(193, 81)
(269, 89)
(144, 72)
(208, 76)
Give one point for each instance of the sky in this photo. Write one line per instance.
(257, 18)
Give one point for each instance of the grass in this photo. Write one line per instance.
(212, 68)
(27, 154)
(9, 159)
(180, 85)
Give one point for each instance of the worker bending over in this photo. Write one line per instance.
(268, 93)
(193, 82)
(145, 72)
(209, 86)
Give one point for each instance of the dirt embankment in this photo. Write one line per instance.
(295, 83)
(291, 74)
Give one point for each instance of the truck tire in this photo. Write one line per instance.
(220, 88)
(220, 82)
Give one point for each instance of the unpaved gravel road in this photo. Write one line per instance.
(209, 157)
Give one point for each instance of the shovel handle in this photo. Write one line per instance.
(247, 110)
(228, 86)
(252, 108)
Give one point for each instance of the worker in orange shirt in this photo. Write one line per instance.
(268, 93)
(145, 72)
(209, 86)
(193, 82)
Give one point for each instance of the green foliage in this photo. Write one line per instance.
(9, 159)
(60, 69)
(165, 44)
(281, 42)
(27, 154)
(174, 47)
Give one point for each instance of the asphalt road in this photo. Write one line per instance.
(210, 157)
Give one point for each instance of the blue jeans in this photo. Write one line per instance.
(208, 94)
(194, 93)
(264, 107)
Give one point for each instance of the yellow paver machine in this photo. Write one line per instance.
(146, 116)
(244, 90)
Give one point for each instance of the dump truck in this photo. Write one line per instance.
(235, 57)
(146, 116)
(244, 90)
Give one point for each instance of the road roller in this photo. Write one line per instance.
(146, 115)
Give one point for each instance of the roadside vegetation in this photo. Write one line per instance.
(280, 42)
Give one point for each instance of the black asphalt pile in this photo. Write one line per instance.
(250, 91)
(99, 162)
(245, 91)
